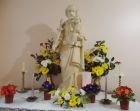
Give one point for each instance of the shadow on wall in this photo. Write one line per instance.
(36, 34)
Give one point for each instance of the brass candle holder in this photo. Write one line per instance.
(22, 90)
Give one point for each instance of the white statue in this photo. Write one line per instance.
(70, 44)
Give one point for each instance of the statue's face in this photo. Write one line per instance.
(71, 13)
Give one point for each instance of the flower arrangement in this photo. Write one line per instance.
(9, 89)
(123, 93)
(97, 62)
(68, 98)
(48, 86)
(91, 89)
(47, 61)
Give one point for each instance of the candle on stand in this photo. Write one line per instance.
(23, 66)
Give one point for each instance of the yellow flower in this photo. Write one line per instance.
(105, 66)
(71, 89)
(44, 52)
(78, 101)
(44, 70)
(98, 70)
(60, 101)
(52, 92)
(64, 93)
(72, 103)
(89, 59)
(104, 48)
(57, 62)
(73, 96)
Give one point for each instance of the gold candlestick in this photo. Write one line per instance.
(23, 90)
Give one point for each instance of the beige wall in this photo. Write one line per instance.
(26, 23)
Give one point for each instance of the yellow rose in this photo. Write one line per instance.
(98, 70)
(105, 66)
(44, 52)
(73, 96)
(44, 70)
(71, 89)
(72, 102)
(89, 59)
(60, 101)
(78, 101)
(104, 48)
(64, 93)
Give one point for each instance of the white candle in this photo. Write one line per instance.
(23, 66)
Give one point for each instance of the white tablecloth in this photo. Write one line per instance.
(21, 103)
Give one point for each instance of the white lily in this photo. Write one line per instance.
(82, 92)
(46, 62)
(99, 59)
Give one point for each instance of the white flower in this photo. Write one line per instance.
(56, 95)
(99, 59)
(82, 92)
(46, 62)
(57, 92)
(67, 96)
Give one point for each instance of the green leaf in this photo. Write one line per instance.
(112, 59)
(106, 60)
(112, 66)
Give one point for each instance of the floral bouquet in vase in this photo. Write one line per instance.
(91, 91)
(97, 62)
(48, 88)
(124, 94)
(8, 91)
(68, 98)
(47, 61)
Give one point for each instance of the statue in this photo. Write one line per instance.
(70, 45)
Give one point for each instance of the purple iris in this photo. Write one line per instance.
(91, 88)
(48, 86)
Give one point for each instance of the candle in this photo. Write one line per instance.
(23, 66)
(33, 85)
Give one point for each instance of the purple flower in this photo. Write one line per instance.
(91, 88)
(48, 86)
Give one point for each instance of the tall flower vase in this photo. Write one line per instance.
(9, 98)
(124, 104)
(106, 100)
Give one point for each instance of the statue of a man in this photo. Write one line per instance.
(70, 44)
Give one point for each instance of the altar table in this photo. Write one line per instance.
(20, 104)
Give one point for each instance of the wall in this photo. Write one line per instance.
(26, 23)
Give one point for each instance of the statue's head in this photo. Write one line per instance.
(71, 12)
